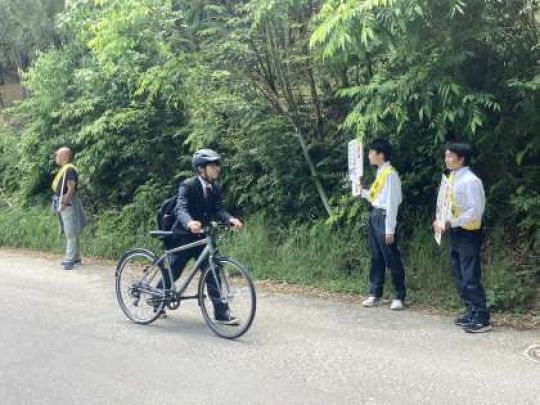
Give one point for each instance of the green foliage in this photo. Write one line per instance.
(25, 25)
(413, 71)
(108, 235)
(113, 94)
(423, 72)
(8, 160)
(314, 255)
(280, 87)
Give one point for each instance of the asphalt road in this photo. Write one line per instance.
(64, 340)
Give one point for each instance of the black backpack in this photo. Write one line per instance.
(166, 216)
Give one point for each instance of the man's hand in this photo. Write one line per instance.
(194, 226)
(389, 238)
(236, 224)
(360, 188)
(441, 229)
(62, 207)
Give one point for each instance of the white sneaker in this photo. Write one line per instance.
(397, 305)
(371, 301)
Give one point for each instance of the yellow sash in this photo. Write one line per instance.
(60, 174)
(378, 184)
(454, 209)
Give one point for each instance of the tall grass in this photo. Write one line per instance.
(107, 236)
(318, 255)
(312, 255)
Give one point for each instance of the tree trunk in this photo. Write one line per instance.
(316, 102)
(277, 89)
(313, 172)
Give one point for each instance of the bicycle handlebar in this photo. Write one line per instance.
(212, 226)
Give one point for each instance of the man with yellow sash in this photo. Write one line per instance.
(467, 202)
(67, 206)
(385, 198)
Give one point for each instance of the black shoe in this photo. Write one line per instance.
(462, 320)
(67, 265)
(477, 327)
(227, 320)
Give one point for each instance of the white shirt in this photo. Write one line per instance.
(469, 197)
(204, 184)
(388, 199)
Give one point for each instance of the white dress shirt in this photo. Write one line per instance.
(204, 184)
(469, 197)
(388, 199)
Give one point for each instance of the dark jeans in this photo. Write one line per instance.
(178, 263)
(464, 252)
(384, 256)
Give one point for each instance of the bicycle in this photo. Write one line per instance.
(139, 272)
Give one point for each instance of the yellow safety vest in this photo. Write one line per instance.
(58, 177)
(473, 225)
(378, 184)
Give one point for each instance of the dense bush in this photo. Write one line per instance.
(280, 87)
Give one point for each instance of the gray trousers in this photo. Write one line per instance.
(71, 232)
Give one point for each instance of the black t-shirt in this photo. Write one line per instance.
(71, 175)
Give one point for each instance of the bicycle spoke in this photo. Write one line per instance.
(228, 305)
(137, 287)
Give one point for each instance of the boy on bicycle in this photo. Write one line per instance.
(200, 201)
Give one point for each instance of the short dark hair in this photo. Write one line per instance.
(382, 146)
(461, 149)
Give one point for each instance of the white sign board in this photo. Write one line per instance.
(443, 206)
(356, 165)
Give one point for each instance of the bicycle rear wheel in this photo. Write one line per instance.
(137, 279)
(227, 298)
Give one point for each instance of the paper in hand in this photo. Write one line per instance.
(356, 187)
(443, 205)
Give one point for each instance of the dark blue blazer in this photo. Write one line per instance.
(192, 205)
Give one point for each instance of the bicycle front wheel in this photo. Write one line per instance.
(227, 298)
(139, 286)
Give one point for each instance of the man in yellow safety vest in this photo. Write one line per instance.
(467, 202)
(385, 198)
(67, 206)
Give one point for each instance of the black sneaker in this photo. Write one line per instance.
(477, 327)
(67, 265)
(228, 320)
(462, 320)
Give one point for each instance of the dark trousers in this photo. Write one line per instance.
(178, 263)
(384, 256)
(464, 252)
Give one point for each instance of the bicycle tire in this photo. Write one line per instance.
(237, 287)
(136, 291)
